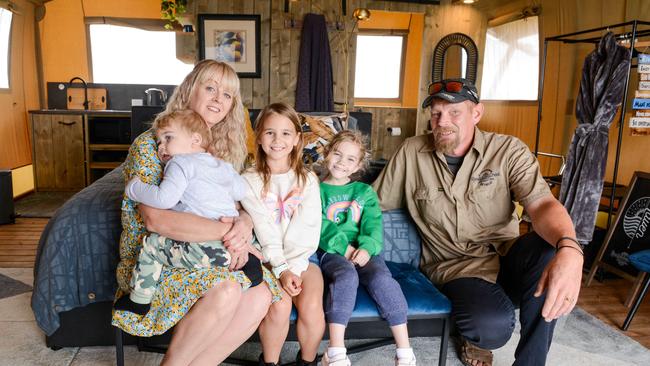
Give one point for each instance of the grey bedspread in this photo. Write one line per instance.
(78, 252)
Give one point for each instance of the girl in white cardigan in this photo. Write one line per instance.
(284, 203)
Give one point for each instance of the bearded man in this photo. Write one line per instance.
(460, 185)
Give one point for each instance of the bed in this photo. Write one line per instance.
(74, 271)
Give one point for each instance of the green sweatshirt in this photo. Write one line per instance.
(351, 215)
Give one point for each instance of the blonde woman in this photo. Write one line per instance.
(201, 303)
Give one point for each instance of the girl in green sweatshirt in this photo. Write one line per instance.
(350, 243)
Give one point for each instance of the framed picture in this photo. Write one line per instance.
(232, 38)
(630, 232)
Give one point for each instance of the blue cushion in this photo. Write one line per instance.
(424, 300)
(641, 260)
(401, 239)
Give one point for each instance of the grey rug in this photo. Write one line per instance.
(41, 204)
(10, 287)
(580, 339)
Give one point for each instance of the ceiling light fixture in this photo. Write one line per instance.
(361, 14)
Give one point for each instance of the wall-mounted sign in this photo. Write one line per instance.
(642, 94)
(643, 58)
(644, 68)
(641, 103)
(640, 126)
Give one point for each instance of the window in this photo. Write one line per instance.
(387, 63)
(511, 64)
(378, 67)
(127, 55)
(5, 32)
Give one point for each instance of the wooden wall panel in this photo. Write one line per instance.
(260, 92)
(285, 46)
(638, 9)
(43, 151)
(254, 92)
(244, 7)
(280, 48)
(439, 22)
(280, 45)
(521, 119)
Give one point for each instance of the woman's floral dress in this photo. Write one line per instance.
(178, 289)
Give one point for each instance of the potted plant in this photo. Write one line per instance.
(171, 10)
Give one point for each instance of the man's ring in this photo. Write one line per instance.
(568, 299)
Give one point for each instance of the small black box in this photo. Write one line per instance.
(7, 215)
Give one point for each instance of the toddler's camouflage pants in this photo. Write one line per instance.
(158, 251)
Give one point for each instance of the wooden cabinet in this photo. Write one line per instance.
(73, 149)
(59, 163)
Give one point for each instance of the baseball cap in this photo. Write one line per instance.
(452, 90)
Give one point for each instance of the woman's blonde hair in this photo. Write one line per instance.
(229, 135)
(355, 137)
(295, 157)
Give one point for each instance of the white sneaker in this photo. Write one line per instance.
(405, 361)
(339, 360)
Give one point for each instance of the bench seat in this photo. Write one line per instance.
(424, 300)
(428, 309)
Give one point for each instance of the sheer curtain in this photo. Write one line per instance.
(511, 63)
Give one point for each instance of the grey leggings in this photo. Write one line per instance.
(343, 280)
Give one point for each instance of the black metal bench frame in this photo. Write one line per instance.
(373, 329)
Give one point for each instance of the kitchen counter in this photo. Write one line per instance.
(104, 112)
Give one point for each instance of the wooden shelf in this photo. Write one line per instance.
(104, 164)
(114, 147)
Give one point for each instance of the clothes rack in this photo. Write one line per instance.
(587, 36)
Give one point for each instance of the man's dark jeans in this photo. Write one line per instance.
(484, 312)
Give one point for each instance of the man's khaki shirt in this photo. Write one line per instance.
(465, 221)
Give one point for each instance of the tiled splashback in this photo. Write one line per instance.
(118, 96)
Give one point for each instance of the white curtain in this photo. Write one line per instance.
(511, 63)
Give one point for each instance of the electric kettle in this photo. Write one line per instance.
(155, 97)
